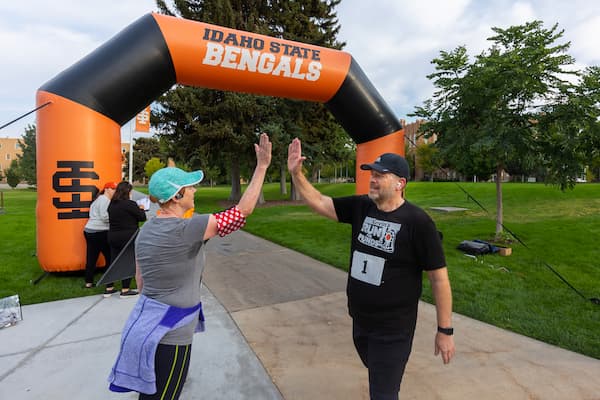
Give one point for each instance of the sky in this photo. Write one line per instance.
(393, 41)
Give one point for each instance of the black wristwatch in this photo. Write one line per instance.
(446, 331)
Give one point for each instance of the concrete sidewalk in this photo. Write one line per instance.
(65, 350)
(277, 328)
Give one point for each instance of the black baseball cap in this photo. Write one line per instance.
(389, 163)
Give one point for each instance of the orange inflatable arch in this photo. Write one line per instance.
(79, 133)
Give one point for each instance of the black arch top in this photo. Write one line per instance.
(123, 75)
(360, 109)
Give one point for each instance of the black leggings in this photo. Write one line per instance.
(171, 367)
(97, 242)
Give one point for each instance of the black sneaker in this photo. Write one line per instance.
(109, 292)
(129, 293)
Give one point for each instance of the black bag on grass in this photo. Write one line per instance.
(474, 248)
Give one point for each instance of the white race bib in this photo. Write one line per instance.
(367, 268)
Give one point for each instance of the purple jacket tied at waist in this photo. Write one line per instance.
(148, 322)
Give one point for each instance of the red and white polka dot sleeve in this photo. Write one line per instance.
(229, 221)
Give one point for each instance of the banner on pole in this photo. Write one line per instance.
(142, 120)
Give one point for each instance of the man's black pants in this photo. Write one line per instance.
(385, 354)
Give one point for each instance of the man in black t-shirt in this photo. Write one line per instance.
(393, 242)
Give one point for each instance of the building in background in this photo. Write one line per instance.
(124, 151)
(413, 140)
(9, 150)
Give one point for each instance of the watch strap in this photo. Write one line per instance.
(446, 331)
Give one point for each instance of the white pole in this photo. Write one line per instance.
(131, 152)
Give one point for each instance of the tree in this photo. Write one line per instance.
(427, 159)
(279, 138)
(509, 107)
(209, 128)
(143, 150)
(313, 22)
(594, 171)
(211, 174)
(205, 119)
(13, 174)
(27, 160)
(570, 129)
(153, 165)
(218, 128)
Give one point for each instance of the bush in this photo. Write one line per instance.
(13, 174)
(153, 165)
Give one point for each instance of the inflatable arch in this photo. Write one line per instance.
(78, 134)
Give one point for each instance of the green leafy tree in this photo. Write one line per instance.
(211, 174)
(143, 150)
(594, 171)
(569, 129)
(13, 174)
(27, 159)
(207, 119)
(275, 128)
(153, 165)
(511, 104)
(216, 128)
(427, 159)
(316, 23)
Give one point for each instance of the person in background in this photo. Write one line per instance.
(96, 233)
(124, 218)
(393, 242)
(170, 261)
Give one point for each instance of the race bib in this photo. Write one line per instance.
(367, 268)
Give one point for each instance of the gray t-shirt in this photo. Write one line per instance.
(170, 254)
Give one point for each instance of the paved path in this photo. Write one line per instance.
(277, 328)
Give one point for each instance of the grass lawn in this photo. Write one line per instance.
(519, 293)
